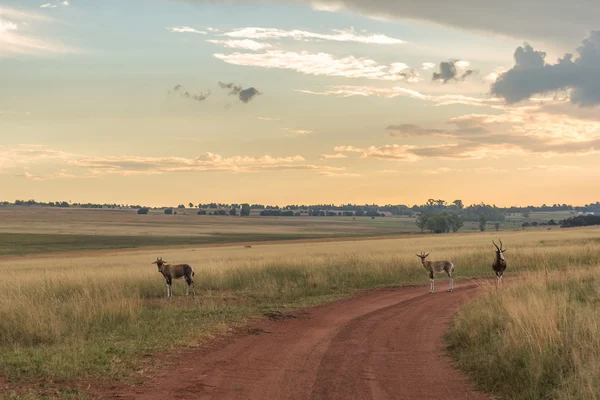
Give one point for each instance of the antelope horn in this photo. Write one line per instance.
(495, 244)
(500, 243)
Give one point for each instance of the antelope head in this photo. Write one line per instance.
(159, 262)
(499, 250)
(422, 256)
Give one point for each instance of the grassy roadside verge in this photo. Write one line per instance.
(535, 339)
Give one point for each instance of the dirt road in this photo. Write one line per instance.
(383, 344)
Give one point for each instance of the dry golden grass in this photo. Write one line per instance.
(66, 317)
(538, 338)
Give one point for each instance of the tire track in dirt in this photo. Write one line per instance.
(382, 344)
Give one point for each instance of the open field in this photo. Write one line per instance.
(94, 315)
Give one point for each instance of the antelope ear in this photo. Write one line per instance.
(426, 255)
(504, 250)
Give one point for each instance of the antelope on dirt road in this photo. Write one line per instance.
(436, 267)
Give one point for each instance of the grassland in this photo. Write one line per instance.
(101, 315)
(536, 339)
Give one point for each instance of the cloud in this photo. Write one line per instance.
(270, 118)
(391, 92)
(185, 29)
(531, 75)
(16, 36)
(550, 168)
(245, 44)
(298, 132)
(524, 131)
(321, 64)
(180, 90)
(427, 66)
(24, 155)
(245, 95)
(333, 156)
(339, 174)
(452, 71)
(48, 5)
(404, 130)
(58, 175)
(552, 19)
(209, 162)
(340, 35)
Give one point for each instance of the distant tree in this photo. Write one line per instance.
(221, 212)
(360, 213)
(233, 211)
(181, 206)
(459, 204)
(245, 210)
(525, 225)
(534, 223)
(421, 221)
(201, 212)
(168, 211)
(552, 222)
(143, 210)
(482, 222)
(526, 213)
(456, 222)
(191, 205)
(497, 226)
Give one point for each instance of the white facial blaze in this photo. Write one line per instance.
(501, 255)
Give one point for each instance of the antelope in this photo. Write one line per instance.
(434, 267)
(175, 271)
(499, 264)
(247, 246)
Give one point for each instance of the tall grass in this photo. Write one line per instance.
(64, 318)
(535, 339)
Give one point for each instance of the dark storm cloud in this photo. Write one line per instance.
(532, 75)
(245, 95)
(448, 72)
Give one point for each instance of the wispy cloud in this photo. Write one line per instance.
(333, 156)
(48, 5)
(209, 162)
(16, 34)
(391, 92)
(185, 29)
(25, 155)
(339, 35)
(322, 64)
(182, 92)
(340, 174)
(426, 66)
(298, 132)
(270, 118)
(48, 177)
(245, 44)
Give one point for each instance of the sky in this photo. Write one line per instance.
(161, 102)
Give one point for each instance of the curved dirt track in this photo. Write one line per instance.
(382, 344)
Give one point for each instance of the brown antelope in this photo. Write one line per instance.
(499, 264)
(434, 267)
(171, 272)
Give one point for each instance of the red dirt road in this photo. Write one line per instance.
(382, 344)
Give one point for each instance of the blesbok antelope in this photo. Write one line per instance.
(247, 246)
(499, 264)
(434, 267)
(171, 272)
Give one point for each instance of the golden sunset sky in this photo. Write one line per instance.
(300, 102)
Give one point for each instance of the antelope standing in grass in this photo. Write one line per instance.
(499, 264)
(171, 272)
(434, 267)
